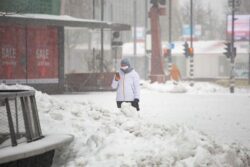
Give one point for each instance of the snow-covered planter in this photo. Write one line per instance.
(21, 139)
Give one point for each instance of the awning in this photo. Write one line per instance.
(60, 20)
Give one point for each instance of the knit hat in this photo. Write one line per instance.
(125, 62)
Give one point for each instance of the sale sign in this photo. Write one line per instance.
(28, 54)
(42, 54)
(12, 52)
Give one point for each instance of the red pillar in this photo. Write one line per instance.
(157, 68)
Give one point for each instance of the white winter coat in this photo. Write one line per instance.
(128, 87)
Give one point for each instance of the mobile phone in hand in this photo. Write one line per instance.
(117, 76)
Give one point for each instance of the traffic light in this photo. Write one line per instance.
(228, 52)
(235, 52)
(190, 51)
(166, 52)
(186, 49)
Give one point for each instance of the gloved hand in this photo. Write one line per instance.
(136, 100)
(117, 76)
(135, 104)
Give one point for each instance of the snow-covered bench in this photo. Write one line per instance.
(21, 138)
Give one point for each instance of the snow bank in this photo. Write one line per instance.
(111, 138)
(198, 88)
(17, 86)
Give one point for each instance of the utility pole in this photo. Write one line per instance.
(114, 49)
(191, 72)
(145, 38)
(93, 14)
(157, 68)
(232, 79)
(102, 37)
(170, 36)
(111, 12)
(135, 37)
(249, 55)
(93, 47)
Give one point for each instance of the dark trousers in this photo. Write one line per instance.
(134, 104)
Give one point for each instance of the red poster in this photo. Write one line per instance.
(12, 53)
(28, 54)
(42, 54)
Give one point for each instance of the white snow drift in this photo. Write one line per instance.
(198, 88)
(109, 138)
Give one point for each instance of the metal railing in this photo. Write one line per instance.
(19, 120)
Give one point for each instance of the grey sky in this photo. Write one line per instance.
(218, 6)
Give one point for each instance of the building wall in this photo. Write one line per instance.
(31, 6)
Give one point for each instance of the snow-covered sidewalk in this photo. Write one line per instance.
(107, 137)
(198, 88)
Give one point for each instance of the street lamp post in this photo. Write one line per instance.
(232, 79)
(102, 37)
(145, 36)
(249, 55)
(170, 37)
(93, 14)
(191, 45)
(135, 35)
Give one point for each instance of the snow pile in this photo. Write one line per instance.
(111, 138)
(167, 87)
(105, 138)
(184, 87)
(17, 86)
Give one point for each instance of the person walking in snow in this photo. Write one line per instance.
(175, 74)
(127, 83)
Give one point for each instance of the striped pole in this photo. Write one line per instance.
(191, 53)
(169, 66)
(170, 38)
(233, 53)
(249, 56)
(191, 70)
(232, 78)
